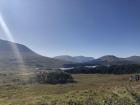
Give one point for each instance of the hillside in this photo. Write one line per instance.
(30, 58)
(134, 59)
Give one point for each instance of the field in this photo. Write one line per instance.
(88, 89)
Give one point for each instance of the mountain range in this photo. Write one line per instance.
(109, 60)
(8, 59)
(104, 60)
(76, 59)
(112, 60)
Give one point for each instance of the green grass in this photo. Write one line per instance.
(89, 89)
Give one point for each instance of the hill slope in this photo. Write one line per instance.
(8, 58)
(134, 59)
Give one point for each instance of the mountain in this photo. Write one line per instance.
(133, 59)
(78, 59)
(106, 60)
(8, 58)
(110, 60)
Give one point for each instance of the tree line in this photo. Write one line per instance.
(114, 69)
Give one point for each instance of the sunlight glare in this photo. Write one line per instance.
(14, 47)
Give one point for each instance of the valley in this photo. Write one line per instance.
(89, 89)
(69, 52)
(102, 81)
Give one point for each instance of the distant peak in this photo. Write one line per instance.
(109, 56)
(79, 59)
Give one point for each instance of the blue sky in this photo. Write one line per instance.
(75, 27)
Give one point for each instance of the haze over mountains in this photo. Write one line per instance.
(31, 59)
(78, 59)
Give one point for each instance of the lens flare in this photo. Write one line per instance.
(13, 46)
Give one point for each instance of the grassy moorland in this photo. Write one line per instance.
(89, 89)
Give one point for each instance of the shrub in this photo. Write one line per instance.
(55, 77)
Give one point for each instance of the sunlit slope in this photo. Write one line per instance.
(30, 58)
